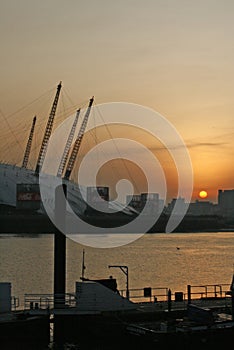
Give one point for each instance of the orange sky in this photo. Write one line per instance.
(175, 57)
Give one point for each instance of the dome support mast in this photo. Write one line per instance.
(68, 145)
(77, 143)
(29, 144)
(48, 131)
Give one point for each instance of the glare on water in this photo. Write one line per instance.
(171, 260)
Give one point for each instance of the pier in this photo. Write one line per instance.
(95, 307)
(77, 316)
(216, 297)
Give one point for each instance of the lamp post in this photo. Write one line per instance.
(124, 269)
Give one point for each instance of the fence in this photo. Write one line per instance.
(206, 295)
(46, 301)
(159, 294)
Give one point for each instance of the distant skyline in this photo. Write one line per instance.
(197, 198)
(175, 57)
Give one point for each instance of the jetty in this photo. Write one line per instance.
(97, 309)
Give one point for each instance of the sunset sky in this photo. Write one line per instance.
(175, 57)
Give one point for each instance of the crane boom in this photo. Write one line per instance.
(48, 131)
(29, 144)
(77, 143)
(68, 145)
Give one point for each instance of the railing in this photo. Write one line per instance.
(159, 294)
(210, 291)
(147, 294)
(14, 303)
(47, 301)
(162, 297)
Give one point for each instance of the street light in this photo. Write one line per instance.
(124, 269)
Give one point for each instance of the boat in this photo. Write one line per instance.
(199, 328)
(97, 313)
(109, 319)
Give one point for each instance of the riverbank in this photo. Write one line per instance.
(32, 222)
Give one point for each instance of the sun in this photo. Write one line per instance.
(203, 194)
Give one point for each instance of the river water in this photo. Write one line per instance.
(171, 260)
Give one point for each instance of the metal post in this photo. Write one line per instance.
(124, 269)
(232, 296)
(59, 264)
(60, 248)
(127, 283)
(169, 300)
(83, 266)
(189, 293)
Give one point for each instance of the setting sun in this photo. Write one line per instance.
(202, 194)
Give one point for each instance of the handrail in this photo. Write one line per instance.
(211, 290)
(205, 291)
(137, 295)
(14, 302)
(46, 301)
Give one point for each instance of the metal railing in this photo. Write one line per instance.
(47, 301)
(146, 294)
(14, 303)
(210, 295)
(210, 291)
(159, 294)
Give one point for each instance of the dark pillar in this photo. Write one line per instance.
(189, 293)
(59, 266)
(60, 248)
(232, 296)
(169, 300)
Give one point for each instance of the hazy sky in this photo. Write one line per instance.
(174, 56)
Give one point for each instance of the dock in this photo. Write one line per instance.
(215, 297)
(97, 310)
(102, 314)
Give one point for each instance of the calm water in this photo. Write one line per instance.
(153, 261)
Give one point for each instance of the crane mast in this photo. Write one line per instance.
(29, 144)
(77, 143)
(68, 145)
(48, 131)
